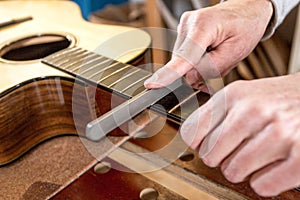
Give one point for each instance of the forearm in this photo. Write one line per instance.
(281, 9)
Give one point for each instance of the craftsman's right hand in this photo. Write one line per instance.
(225, 34)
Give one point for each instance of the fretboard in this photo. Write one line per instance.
(123, 79)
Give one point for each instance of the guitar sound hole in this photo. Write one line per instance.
(35, 47)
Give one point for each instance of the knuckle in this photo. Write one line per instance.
(279, 132)
(184, 17)
(234, 89)
(252, 107)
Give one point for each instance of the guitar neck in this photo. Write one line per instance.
(124, 80)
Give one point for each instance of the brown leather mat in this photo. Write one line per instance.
(48, 167)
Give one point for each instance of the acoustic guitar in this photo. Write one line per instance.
(39, 102)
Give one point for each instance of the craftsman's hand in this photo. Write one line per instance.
(252, 130)
(229, 31)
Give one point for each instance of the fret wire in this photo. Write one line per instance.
(73, 58)
(115, 72)
(135, 83)
(94, 66)
(124, 77)
(103, 69)
(77, 60)
(54, 56)
(91, 58)
(75, 66)
(68, 57)
(184, 101)
(61, 56)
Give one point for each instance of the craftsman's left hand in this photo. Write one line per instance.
(251, 129)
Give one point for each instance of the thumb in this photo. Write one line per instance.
(174, 69)
(184, 58)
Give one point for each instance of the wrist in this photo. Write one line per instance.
(264, 10)
(270, 11)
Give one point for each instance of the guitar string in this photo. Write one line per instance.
(184, 101)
